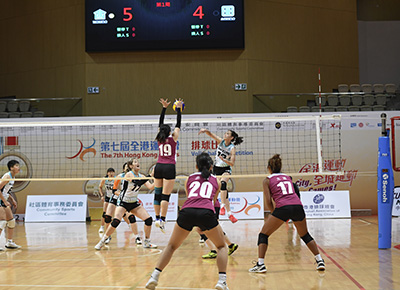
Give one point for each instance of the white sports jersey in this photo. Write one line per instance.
(109, 184)
(225, 152)
(131, 189)
(6, 190)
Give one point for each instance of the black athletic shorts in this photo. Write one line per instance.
(128, 205)
(217, 209)
(166, 171)
(113, 200)
(106, 199)
(221, 170)
(293, 212)
(191, 217)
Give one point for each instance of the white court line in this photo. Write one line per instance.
(102, 286)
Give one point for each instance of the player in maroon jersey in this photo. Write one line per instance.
(198, 210)
(280, 197)
(164, 171)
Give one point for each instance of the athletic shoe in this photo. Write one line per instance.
(201, 241)
(101, 229)
(210, 255)
(161, 225)
(108, 240)
(320, 265)
(1, 249)
(148, 245)
(233, 219)
(157, 223)
(99, 245)
(222, 210)
(138, 241)
(258, 268)
(12, 245)
(151, 284)
(221, 285)
(232, 249)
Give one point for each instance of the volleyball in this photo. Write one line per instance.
(174, 106)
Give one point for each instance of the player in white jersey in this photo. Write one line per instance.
(112, 203)
(105, 197)
(6, 215)
(224, 161)
(128, 202)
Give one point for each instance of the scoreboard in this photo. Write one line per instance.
(126, 25)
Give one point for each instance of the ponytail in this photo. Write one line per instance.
(275, 163)
(236, 139)
(204, 163)
(163, 133)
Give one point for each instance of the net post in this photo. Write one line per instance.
(319, 142)
(385, 189)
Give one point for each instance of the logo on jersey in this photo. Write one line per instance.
(84, 150)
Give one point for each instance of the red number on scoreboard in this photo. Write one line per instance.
(128, 14)
(199, 12)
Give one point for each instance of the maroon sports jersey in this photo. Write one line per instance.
(167, 151)
(282, 190)
(201, 191)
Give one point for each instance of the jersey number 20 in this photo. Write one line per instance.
(206, 189)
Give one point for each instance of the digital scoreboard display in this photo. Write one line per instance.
(125, 25)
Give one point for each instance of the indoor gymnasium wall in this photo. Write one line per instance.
(286, 42)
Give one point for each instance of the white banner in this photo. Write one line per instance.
(396, 201)
(56, 208)
(147, 201)
(326, 204)
(246, 205)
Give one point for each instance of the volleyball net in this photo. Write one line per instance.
(84, 150)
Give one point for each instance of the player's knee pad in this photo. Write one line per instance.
(107, 218)
(165, 197)
(262, 239)
(204, 237)
(103, 215)
(148, 221)
(132, 219)
(223, 185)
(11, 224)
(307, 238)
(3, 225)
(115, 223)
(157, 195)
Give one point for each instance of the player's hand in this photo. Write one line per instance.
(7, 204)
(220, 157)
(164, 103)
(203, 131)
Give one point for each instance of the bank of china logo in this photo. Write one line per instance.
(99, 17)
(278, 125)
(84, 150)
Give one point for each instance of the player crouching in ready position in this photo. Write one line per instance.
(128, 202)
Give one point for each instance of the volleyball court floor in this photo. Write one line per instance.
(62, 256)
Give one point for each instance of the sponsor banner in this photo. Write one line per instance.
(56, 235)
(56, 208)
(147, 201)
(396, 201)
(246, 205)
(326, 204)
